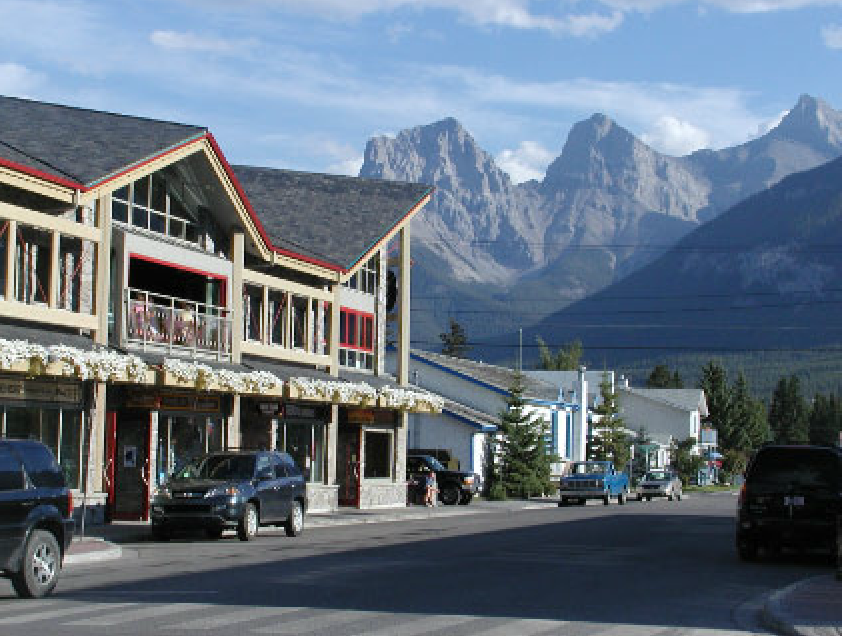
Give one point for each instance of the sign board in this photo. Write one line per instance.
(708, 435)
(269, 408)
(40, 390)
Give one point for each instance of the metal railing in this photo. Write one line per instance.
(157, 322)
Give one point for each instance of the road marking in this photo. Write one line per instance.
(37, 615)
(524, 627)
(314, 623)
(419, 625)
(234, 617)
(140, 614)
(629, 630)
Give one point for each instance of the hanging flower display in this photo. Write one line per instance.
(205, 377)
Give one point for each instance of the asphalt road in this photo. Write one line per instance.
(633, 570)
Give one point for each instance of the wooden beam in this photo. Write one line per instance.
(49, 222)
(273, 282)
(55, 269)
(11, 258)
(42, 313)
(335, 317)
(238, 249)
(403, 293)
(31, 183)
(299, 356)
(102, 282)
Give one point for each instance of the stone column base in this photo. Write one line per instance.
(322, 498)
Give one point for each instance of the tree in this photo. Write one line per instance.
(642, 445)
(611, 442)
(684, 462)
(661, 378)
(749, 426)
(455, 343)
(567, 358)
(522, 450)
(718, 396)
(825, 420)
(788, 414)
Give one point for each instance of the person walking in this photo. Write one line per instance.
(431, 489)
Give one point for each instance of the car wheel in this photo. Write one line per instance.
(678, 496)
(747, 550)
(564, 502)
(450, 495)
(40, 566)
(465, 499)
(582, 501)
(160, 533)
(621, 498)
(606, 500)
(247, 527)
(639, 497)
(213, 533)
(295, 522)
(648, 498)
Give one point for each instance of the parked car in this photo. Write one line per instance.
(455, 486)
(232, 489)
(790, 498)
(659, 483)
(36, 517)
(593, 480)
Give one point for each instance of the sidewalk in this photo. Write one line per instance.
(812, 607)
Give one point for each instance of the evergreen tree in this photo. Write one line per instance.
(825, 420)
(718, 396)
(788, 413)
(661, 378)
(750, 426)
(684, 462)
(612, 442)
(567, 358)
(523, 454)
(454, 341)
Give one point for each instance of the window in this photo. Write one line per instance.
(252, 313)
(305, 444)
(32, 265)
(356, 339)
(155, 203)
(378, 454)
(365, 280)
(11, 472)
(41, 467)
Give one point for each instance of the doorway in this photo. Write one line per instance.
(349, 447)
(128, 465)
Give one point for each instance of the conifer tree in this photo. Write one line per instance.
(612, 442)
(523, 454)
(788, 413)
(825, 420)
(454, 341)
(567, 358)
(718, 396)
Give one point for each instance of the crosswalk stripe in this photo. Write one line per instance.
(234, 617)
(38, 615)
(140, 614)
(421, 625)
(14, 605)
(524, 627)
(313, 623)
(630, 630)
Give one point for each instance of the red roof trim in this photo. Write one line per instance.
(34, 172)
(254, 218)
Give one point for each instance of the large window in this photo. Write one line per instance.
(156, 203)
(378, 454)
(59, 429)
(305, 443)
(356, 339)
(365, 280)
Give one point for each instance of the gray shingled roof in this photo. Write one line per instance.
(330, 218)
(684, 399)
(78, 144)
(466, 412)
(499, 377)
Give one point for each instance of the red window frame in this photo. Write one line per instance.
(362, 336)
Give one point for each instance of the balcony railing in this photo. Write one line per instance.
(156, 322)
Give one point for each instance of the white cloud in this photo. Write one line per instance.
(733, 6)
(676, 137)
(832, 36)
(350, 166)
(188, 41)
(766, 126)
(18, 80)
(528, 161)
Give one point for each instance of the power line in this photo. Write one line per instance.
(691, 348)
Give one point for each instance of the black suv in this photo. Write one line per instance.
(36, 517)
(790, 498)
(232, 489)
(455, 486)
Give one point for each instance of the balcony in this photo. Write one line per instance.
(166, 324)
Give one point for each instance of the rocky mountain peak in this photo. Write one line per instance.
(814, 120)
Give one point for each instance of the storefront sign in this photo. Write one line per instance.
(269, 408)
(174, 402)
(299, 412)
(40, 391)
(360, 416)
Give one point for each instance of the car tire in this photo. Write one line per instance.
(248, 524)
(450, 495)
(465, 499)
(40, 566)
(639, 497)
(678, 496)
(214, 534)
(160, 533)
(671, 496)
(621, 498)
(747, 550)
(606, 500)
(564, 502)
(648, 498)
(295, 522)
(582, 501)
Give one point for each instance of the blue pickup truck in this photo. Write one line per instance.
(593, 480)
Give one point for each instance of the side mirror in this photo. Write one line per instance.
(264, 474)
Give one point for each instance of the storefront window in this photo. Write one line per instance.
(378, 454)
(182, 438)
(305, 444)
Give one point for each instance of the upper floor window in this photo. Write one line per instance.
(365, 280)
(356, 339)
(155, 203)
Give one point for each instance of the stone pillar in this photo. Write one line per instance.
(331, 445)
(273, 433)
(400, 447)
(403, 292)
(96, 443)
(238, 252)
(234, 438)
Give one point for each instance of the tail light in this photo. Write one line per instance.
(69, 504)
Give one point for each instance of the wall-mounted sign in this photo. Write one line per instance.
(40, 390)
(269, 408)
(174, 402)
(130, 457)
(299, 412)
(360, 416)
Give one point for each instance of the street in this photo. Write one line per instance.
(643, 568)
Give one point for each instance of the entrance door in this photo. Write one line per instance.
(130, 466)
(348, 466)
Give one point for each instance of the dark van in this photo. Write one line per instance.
(36, 517)
(791, 497)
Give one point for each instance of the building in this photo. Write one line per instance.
(158, 303)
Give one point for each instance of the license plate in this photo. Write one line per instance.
(794, 501)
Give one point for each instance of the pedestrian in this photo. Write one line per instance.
(431, 488)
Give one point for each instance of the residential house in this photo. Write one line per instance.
(158, 303)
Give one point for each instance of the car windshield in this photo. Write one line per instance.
(219, 467)
(657, 475)
(795, 466)
(587, 468)
(435, 464)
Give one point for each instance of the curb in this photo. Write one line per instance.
(110, 552)
(775, 617)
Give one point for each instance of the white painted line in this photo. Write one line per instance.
(314, 623)
(141, 614)
(234, 617)
(422, 625)
(38, 615)
(525, 627)
(628, 630)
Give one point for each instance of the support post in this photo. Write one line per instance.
(55, 269)
(103, 270)
(11, 258)
(238, 254)
(335, 316)
(403, 325)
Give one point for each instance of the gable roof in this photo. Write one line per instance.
(499, 379)
(684, 399)
(331, 218)
(471, 417)
(79, 147)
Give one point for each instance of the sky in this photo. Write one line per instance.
(304, 84)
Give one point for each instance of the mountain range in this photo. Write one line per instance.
(498, 256)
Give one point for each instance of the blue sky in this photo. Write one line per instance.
(303, 84)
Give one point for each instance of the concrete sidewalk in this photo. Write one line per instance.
(812, 607)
